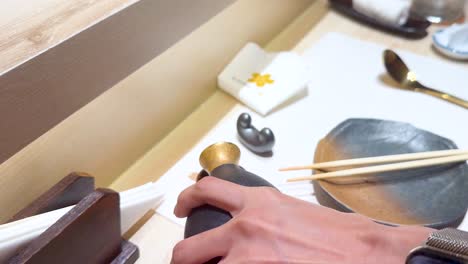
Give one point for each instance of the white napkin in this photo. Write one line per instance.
(394, 12)
(263, 80)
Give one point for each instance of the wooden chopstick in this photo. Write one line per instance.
(384, 168)
(379, 159)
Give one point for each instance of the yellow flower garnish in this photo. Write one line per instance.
(261, 80)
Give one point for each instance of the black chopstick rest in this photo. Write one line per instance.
(260, 142)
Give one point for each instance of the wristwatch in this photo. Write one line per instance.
(446, 246)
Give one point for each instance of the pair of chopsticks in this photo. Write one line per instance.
(403, 161)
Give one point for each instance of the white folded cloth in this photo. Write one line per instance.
(393, 12)
(262, 80)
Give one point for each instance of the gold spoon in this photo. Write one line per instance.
(407, 79)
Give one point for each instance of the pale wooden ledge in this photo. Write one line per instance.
(27, 30)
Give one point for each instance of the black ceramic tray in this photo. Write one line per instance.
(434, 196)
(415, 27)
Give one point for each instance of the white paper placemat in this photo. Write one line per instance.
(345, 83)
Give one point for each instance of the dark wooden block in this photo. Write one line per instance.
(89, 233)
(129, 254)
(69, 191)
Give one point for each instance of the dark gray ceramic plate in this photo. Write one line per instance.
(433, 196)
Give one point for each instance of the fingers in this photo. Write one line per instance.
(210, 190)
(202, 247)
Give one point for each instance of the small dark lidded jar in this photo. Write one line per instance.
(219, 160)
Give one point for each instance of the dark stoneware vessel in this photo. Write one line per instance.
(433, 196)
(220, 161)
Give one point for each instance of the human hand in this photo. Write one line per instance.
(270, 227)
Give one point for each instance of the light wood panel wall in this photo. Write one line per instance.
(46, 89)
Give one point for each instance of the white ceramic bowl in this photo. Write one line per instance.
(452, 41)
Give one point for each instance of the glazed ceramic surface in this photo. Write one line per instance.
(452, 41)
(207, 217)
(434, 196)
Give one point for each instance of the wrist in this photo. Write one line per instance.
(397, 242)
(410, 237)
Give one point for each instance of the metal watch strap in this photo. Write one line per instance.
(450, 240)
